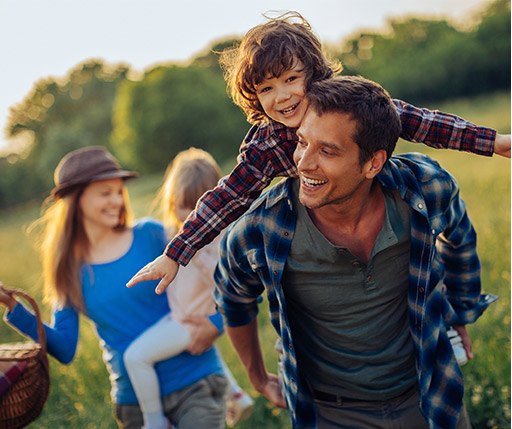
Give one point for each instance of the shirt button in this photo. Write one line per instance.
(433, 231)
(420, 206)
(422, 289)
(275, 272)
(286, 233)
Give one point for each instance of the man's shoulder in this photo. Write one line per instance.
(418, 166)
(267, 204)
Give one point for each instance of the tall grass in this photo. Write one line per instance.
(80, 392)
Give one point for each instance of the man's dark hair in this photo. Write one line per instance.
(378, 123)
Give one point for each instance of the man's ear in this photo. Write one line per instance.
(375, 163)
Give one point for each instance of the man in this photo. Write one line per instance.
(364, 259)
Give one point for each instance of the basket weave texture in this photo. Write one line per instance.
(24, 400)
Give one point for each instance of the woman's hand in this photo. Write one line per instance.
(203, 333)
(6, 298)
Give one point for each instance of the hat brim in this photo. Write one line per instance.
(61, 190)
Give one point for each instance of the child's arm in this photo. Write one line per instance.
(267, 152)
(444, 130)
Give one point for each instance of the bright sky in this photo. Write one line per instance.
(47, 38)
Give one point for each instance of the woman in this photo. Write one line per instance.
(90, 249)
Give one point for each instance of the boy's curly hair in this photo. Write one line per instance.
(270, 49)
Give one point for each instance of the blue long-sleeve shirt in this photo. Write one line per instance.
(119, 315)
(443, 249)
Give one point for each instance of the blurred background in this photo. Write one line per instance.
(142, 78)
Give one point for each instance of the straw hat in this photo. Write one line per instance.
(85, 165)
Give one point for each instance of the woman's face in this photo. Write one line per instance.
(101, 203)
(183, 212)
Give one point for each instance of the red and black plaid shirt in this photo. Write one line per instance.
(267, 152)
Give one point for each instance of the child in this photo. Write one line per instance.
(192, 173)
(268, 75)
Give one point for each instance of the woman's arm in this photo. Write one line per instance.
(61, 335)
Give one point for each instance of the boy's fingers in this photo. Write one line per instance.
(162, 285)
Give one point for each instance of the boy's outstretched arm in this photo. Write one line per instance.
(502, 145)
(163, 268)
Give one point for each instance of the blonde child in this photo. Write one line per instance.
(268, 76)
(189, 176)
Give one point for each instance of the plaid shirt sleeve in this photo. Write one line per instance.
(456, 246)
(266, 153)
(443, 130)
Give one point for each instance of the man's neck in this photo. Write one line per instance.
(353, 224)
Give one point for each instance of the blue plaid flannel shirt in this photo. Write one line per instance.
(444, 280)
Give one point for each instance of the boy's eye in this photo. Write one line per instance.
(263, 89)
(291, 78)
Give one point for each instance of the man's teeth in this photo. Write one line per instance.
(313, 182)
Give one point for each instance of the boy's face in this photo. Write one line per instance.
(283, 98)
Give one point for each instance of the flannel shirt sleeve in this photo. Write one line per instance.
(456, 246)
(238, 286)
(444, 130)
(258, 163)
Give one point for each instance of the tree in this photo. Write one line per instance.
(172, 108)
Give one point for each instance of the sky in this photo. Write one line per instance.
(48, 38)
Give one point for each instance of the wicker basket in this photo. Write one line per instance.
(24, 400)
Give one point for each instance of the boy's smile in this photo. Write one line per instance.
(283, 97)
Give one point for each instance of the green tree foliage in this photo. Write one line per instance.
(55, 117)
(172, 108)
(425, 60)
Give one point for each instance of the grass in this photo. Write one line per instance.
(80, 392)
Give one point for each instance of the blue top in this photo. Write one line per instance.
(443, 251)
(120, 314)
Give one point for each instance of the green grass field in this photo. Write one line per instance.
(80, 392)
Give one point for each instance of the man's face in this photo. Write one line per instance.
(327, 159)
(283, 97)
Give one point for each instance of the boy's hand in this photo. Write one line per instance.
(203, 333)
(163, 268)
(502, 145)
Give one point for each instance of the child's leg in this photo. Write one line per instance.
(239, 404)
(164, 339)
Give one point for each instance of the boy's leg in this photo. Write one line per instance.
(164, 339)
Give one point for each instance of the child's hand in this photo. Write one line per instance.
(163, 268)
(502, 145)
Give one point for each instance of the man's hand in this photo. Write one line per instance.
(163, 268)
(203, 333)
(502, 145)
(272, 391)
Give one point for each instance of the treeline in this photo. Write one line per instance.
(145, 120)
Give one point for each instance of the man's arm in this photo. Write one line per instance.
(246, 342)
(456, 246)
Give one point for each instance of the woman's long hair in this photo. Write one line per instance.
(191, 173)
(64, 247)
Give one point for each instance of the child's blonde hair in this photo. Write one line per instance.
(271, 49)
(191, 173)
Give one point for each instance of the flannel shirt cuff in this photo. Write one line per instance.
(179, 251)
(484, 141)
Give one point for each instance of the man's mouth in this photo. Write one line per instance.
(312, 182)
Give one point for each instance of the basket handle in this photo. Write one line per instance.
(41, 334)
